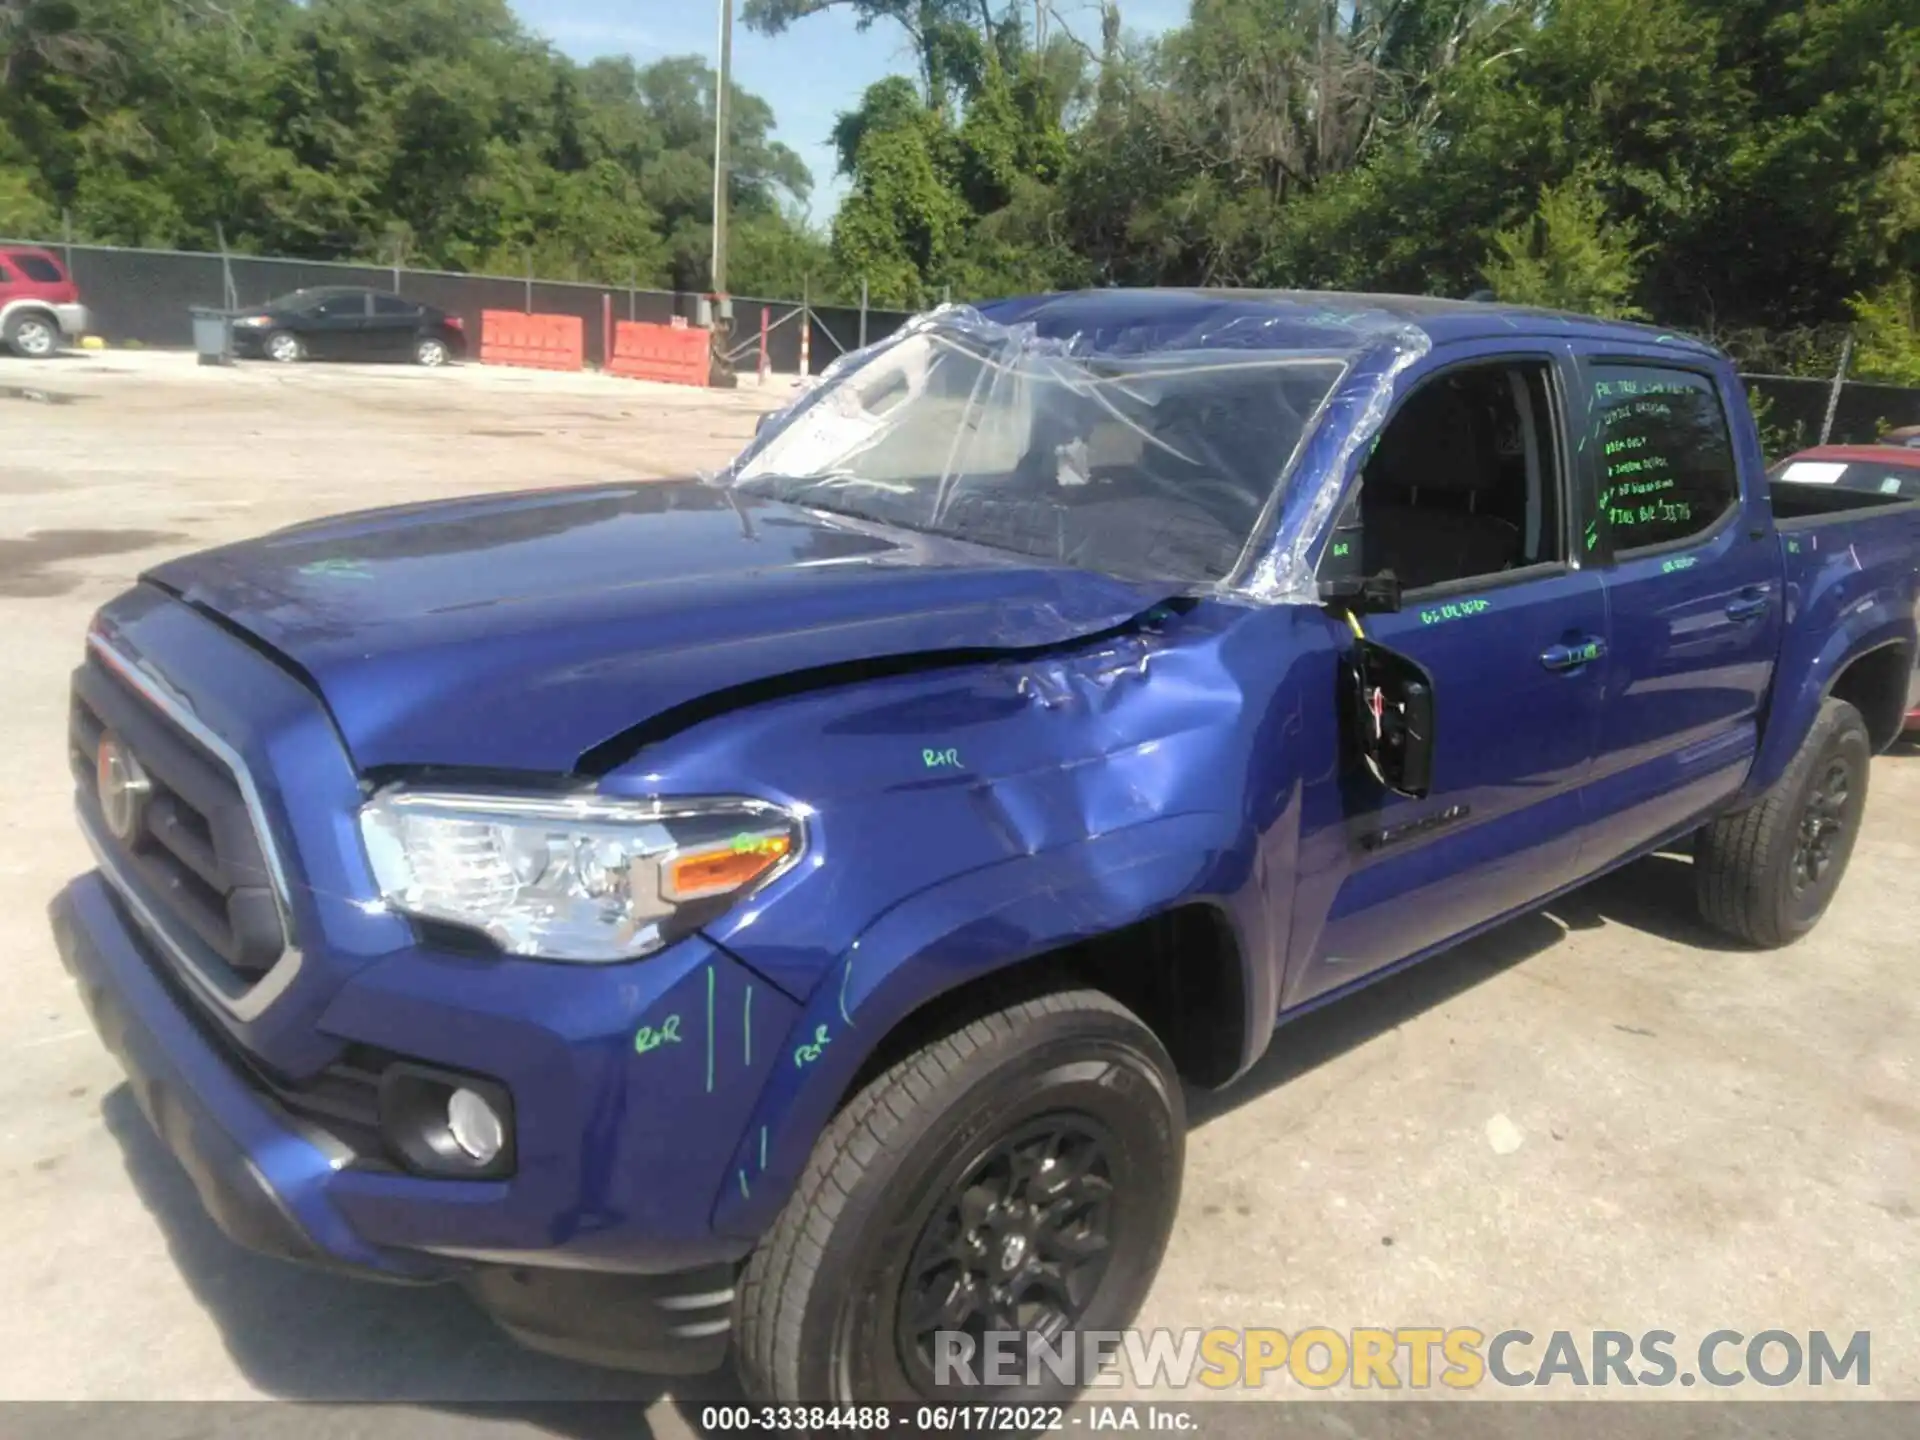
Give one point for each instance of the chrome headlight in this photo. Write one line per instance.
(573, 877)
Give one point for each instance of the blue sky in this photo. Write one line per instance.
(809, 75)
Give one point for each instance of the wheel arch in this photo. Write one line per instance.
(1875, 682)
(16, 308)
(1146, 927)
(1180, 970)
(1885, 627)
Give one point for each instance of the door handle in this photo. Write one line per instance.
(1572, 657)
(1748, 607)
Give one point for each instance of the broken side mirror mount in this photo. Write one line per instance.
(1391, 716)
(1377, 594)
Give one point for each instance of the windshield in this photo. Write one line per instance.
(1157, 466)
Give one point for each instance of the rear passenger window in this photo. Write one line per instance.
(393, 305)
(1666, 459)
(38, 267)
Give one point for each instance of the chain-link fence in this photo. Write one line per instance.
(144, 297)
(1795, 412)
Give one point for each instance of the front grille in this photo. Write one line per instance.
(197, 853)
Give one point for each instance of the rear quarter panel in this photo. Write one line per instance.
(1852, 585)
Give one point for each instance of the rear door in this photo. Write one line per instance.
(392, 327)
(1693, 587)
(1512, 631)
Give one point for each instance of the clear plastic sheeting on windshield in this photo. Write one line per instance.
(1355, 416)
(1137, 448)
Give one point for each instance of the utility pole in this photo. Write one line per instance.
(723, 82)
(719, 371)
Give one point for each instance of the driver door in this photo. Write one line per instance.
(336, 327)
(1471, 470)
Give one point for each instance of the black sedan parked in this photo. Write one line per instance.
(336, 322)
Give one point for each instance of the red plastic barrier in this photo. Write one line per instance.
(677, 354)
(539, 342)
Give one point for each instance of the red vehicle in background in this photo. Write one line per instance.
(39, 303)
(1883, 469)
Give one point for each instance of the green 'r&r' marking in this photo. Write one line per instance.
(804, 1055)
(647, 1038)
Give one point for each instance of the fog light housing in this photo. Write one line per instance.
(474, 1126)
(443, 1123)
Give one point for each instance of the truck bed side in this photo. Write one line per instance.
(1851, 578)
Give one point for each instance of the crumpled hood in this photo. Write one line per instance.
(517, 632)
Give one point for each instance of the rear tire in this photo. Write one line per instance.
(32, 335)
(1766, 874)
(430, 351)
(1021, 1168)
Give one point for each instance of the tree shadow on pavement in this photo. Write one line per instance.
(301, 1334)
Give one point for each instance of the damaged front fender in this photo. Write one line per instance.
(972, 926)
(912, 780)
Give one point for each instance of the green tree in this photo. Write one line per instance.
(1568, 256)
(437, 131)
(904, 218)
(1887, 334)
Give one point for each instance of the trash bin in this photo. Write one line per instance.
(213, 336)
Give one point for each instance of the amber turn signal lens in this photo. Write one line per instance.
(722, 869)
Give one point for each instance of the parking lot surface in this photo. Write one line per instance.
(1596, 1117)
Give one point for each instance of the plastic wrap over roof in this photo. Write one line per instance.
(1144, 434)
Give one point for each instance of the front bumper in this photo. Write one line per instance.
(285, 1188)
(72, 319)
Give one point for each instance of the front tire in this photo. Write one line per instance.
(1019, 1171)
(32, 336)
(283, 347)
(1766, 874)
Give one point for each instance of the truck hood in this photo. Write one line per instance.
(522, 631)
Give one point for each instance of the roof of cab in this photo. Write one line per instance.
(1282, 319)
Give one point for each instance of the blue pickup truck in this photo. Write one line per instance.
(777, 914)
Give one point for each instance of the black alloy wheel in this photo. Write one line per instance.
(1020, 1243)
(1823, 824)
